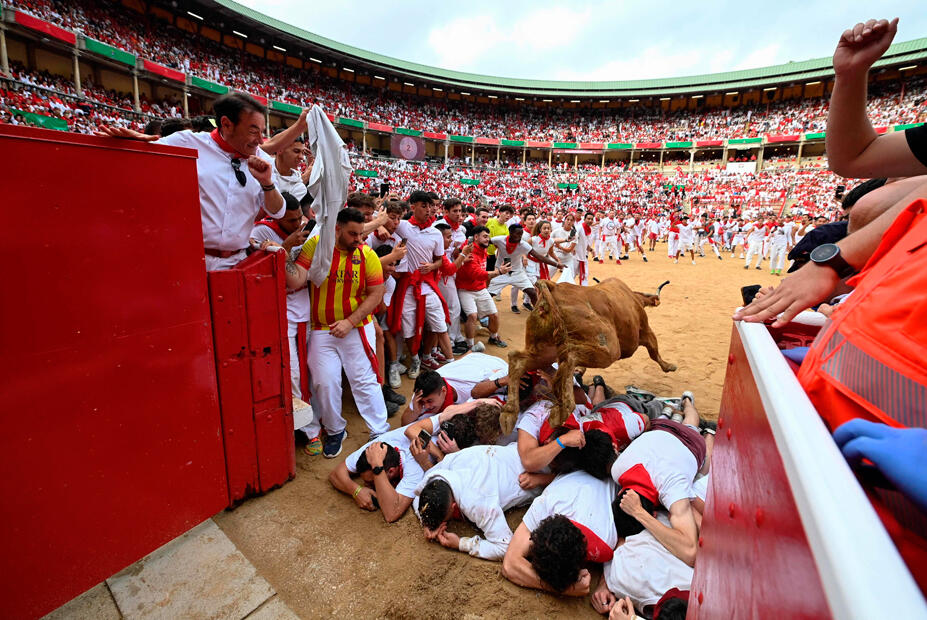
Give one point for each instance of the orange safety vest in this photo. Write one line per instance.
(869, 362)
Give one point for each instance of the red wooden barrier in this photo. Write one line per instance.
(788, 532)
(111, 436)
(252, 364)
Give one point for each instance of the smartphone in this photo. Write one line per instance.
(425, 438)
(507, 261)
(309, 226)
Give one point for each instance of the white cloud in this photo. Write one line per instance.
(549, 28)
(460, 43)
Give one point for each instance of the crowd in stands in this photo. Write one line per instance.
(150, 37)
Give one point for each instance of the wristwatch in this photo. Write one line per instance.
(828, 255)
(377, 470)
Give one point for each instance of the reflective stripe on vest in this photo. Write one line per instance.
(899, 396)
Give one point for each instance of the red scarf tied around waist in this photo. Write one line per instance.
(543, 271)
(414, 280)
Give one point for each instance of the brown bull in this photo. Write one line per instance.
(591, 326)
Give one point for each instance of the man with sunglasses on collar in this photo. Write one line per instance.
(235, 183)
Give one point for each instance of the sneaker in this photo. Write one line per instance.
(478, 347)
(431, 363)
(439, 356)
(719, 257)
(391, 410)
(415, 367)
(707, 427)
(403, 369)
(689, 395)
(746, 266)
(693, 262)
(759, 268)
(332, 445)
(314, 447)
(392, 397)
(645, 259)
(460, 347)
(675, 261)
(527, 306)
(498, 342)
(393, 378)
(617, 262)
(516, 310)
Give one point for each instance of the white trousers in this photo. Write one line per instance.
(448, 288)
(610, 246)
(434, 311)
(327, 357)
(776, 256)
(754, 249)
(214, 263)
(673, 244)
(295, 370)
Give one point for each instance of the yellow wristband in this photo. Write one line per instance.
(357, 490)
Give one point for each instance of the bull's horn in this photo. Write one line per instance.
(660, 288)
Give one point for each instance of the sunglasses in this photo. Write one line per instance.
(239, 175)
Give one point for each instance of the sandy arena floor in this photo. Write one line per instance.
(328, 559)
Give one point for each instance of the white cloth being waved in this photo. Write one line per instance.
(328, 185)
(484, 481)
(227, 209)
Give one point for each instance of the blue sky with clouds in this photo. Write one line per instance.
(594, 40)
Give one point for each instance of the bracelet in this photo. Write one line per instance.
(496, 381)
(269, 188)
(357, 490)
(560, 443)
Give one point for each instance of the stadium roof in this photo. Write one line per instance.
(906, 52)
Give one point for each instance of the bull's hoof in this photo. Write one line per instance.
(669, 368)
(507, 422)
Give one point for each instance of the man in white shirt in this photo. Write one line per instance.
(447, 284)
(756, 234)
(511, 250)
(477, 484)
(686, 239)
(779, 237)
(571, 523)
(287, 176)
(417, 302)
(389, 473)
(235, 183)
(610, 228)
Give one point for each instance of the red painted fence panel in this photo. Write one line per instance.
(111, 436)
(252, 364)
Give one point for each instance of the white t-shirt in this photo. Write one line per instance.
(227, 209)
(560, 235)
(484, 480)
(686, 234)
(423, 245)
(581, 498)
(522, 249)
(670, 464)
(374, 242)
(458, 237)
(412, 472)
(610, 227)
(645, 570)
(390, 287)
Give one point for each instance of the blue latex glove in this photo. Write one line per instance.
(900, 454)
(796, 354)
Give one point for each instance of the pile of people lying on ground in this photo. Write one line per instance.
(151, 37)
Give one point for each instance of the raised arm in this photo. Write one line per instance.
(854, 149)
(286, 137)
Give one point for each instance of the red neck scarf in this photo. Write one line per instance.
(274, 225)
(449, 397)
(421, 225)
(597, 550)
(452, 224)
(638, 480)
(510, 246)
(544, 239)
(587, 228)
(225, 146)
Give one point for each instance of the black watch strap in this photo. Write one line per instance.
(377, 470)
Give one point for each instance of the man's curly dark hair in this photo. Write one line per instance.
(434, 502)
(598, 454)
(625, 524)
(486, 423)
(673, 609)
(557, 552)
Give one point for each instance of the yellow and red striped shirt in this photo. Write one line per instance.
(333, 301)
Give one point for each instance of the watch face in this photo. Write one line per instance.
(824, 252)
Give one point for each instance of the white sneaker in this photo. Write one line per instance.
(478, 347)
(394, 381)
(693, 262)
(675, 261)
(403, 369)
(415, 367)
